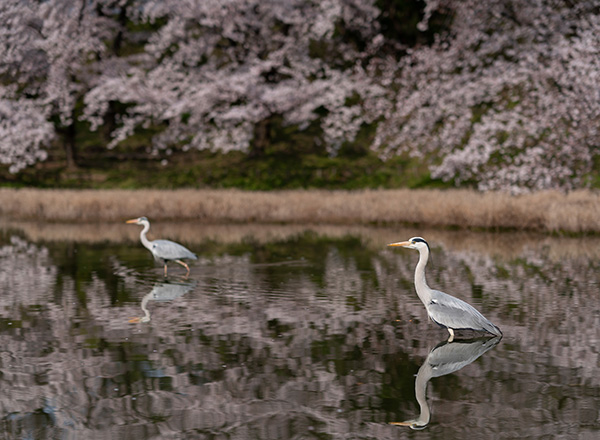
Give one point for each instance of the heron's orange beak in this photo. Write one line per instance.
(400, 243)
(401, 423)
(133, 220)
(134, 320)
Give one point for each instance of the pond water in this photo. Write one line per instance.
(293, 332)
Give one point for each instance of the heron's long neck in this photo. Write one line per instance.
(147, 243)
(421, 381)
(420, 282)
(144, 305)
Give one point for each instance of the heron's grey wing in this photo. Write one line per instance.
(170, 291)
(169, 250)
(447, 358)
(457, 314)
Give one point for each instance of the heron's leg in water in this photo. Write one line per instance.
(451, 338)
(184, 265)
(165, 268)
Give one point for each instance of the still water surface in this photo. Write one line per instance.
(293, 332)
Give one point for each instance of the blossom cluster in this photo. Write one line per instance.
(508, 99)
(216, 69)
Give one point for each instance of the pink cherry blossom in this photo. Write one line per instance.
(500, 95)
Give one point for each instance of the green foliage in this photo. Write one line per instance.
(273, 171)
(593, 178)
(285, 157)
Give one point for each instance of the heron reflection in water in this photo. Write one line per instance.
(163, 292)
(443, 309)
(445, 358)
(163, 250)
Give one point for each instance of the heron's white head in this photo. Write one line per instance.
(413, 243)
(138, 221)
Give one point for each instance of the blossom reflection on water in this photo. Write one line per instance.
(309, 333)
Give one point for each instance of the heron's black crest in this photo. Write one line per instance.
(420, 240)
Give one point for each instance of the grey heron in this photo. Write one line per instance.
(445, 358)
(163, 250)
(443, 309)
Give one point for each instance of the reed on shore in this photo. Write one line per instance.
(548, 211)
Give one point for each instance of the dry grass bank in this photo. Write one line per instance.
(577, 212)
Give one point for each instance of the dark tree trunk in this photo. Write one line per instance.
(110, 121)
(262, 138)
(69, 146)
(110, 118)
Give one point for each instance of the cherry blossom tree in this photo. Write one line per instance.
(46, 48)
(498, 94)
(507, 99)
(24, 132)
(218, 71)
(19, 146)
